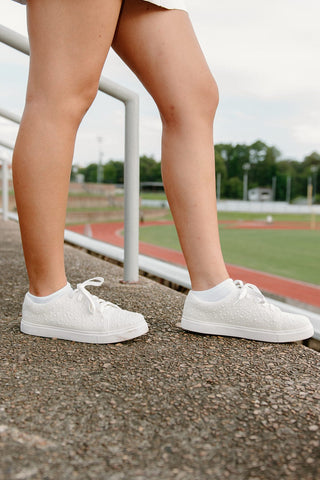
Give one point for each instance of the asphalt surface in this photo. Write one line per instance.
(168, 405)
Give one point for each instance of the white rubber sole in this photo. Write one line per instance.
(85, 337)
(246, 332)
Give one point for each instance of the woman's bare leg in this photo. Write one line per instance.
(161, 48)
(69, 42)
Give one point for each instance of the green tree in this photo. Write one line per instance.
(266, 168)
(284, 168)
(265, 163)
(221, 168)
(156, 172)
(113, 172)
(150, 169)
(234, 188)
(90, 173)
(311, 165)
(240, 155)
(257, 151)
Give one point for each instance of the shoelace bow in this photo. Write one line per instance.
(94, 301)
(249, 288)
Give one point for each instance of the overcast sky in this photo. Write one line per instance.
(264, 55)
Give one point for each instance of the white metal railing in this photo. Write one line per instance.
(5, 164)
(5, 188)
(131, 163)
(5, 179)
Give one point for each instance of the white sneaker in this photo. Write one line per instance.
(245, 314)
(79, 316)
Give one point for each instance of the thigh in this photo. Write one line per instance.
(160, 46)
(69, 41)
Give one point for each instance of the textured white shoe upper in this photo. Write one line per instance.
(247, 308)
(80, 310)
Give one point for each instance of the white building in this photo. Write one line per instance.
(260, 194)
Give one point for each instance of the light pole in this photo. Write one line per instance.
(288, 193)
(74, 171)
(5, 188)
(274, 187)
(314, 170)
(99, 166)
(218, 185)
(246, 168)
(309, 190)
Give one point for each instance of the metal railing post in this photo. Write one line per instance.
(131, 192)
(5, 181)
(7, 145)
(131, 177)
(13, 39)
(10, 116)
(5, 174)
(5, 189)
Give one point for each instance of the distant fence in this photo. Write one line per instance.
(265, 207)
(246, 206)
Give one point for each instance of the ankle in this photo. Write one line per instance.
(46, 288)
(217, 293)
(53, 296)
(206, 282)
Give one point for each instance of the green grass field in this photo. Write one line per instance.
(289, 253)
(153, 195)
(277, 217)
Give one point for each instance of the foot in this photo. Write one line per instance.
(79, 316)
(245, 314)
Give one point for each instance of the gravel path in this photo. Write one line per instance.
(169, 405)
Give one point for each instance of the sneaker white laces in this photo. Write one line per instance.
(249, 288)
(95, 303)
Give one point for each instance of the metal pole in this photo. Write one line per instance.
(313, 170)
(288, 193)
(246, 168)
(14, 39)
(5, 144)
(10, 116)
(5, 189)
(131, 191)
(5, 174)
(99, 172)
(218, 186)
(131, 177)
(309, 191)
(274, 186)
(99, 165)
(314, 186)
(5, 181)
(310, 201)
(245, 186)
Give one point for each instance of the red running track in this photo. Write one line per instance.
(303, 292)
(268, 226)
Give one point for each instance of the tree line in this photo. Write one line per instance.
(262, 162)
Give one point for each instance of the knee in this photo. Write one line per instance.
(64, 99)
(207, 97)
(193, 104)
